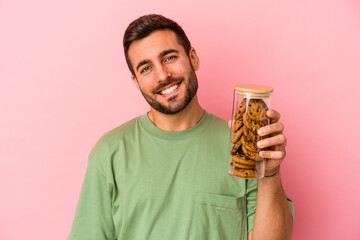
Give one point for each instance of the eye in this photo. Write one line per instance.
(145, 69)
(169, 58)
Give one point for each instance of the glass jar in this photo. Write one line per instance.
(250, 104)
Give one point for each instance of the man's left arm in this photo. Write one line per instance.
(273, 218)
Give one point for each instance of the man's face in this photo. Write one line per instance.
(164, 73)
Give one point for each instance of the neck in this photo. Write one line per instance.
(185, 119)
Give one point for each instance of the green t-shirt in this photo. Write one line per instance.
(143, 183)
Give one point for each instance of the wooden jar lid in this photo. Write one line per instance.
(253, 88)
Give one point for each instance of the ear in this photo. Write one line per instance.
(194, 59)
(135, 81)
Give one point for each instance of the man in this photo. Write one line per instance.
(163, 175)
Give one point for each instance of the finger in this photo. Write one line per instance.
(229, 123)
(277, 127)
(273, 115)
(272, 141)
(276, 155)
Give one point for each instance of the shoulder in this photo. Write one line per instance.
(217, 119)
(113, 139)
(218, 123)
(124, 130)
(217, 128)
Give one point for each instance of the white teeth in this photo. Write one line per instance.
(169, 90)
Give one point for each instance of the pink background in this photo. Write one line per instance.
(64, 82)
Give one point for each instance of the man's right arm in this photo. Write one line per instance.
(93, 218)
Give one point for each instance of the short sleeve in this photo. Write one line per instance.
(251, 194)
(93, 217)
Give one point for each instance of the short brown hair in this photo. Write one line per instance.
(147, 24)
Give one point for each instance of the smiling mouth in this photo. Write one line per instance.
(170, 89)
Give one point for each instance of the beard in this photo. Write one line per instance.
(175, 104)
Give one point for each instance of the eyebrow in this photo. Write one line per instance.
(162, 54)
(143, 62)
(165, 52)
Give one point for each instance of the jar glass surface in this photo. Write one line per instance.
(250, 104)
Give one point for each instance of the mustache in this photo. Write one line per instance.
(168, 81)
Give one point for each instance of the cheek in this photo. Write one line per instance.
(146, 83)
(177, 70)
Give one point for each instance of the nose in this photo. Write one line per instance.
(162, 74)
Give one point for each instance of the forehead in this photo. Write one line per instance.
(151, 46)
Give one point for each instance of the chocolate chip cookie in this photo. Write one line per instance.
(250, 154)
(237, 135)
(241, 158)
(249, 145)
(240, 110)
(243, 166)
(245, 173)
(256, 109)
(253, 125)
(237, 124)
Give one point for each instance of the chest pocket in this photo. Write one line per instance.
(220, 217)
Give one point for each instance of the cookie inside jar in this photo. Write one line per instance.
(250, 105)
